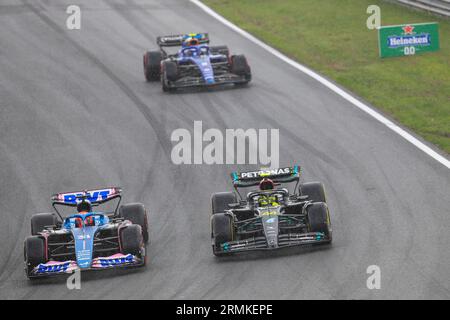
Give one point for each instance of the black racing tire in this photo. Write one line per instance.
(165, 86)
(152, 65)
(221, 231)
(137, 214)
(131, 239)
(219, 50)
(240, 67)
(314, 190)
(319, 219)
(171, 70)
(41, 220)
(221, 200)
(34, 252)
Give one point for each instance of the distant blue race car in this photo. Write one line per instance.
(194, 64)
(87, 239)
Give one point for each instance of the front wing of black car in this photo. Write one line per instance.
(284, 241)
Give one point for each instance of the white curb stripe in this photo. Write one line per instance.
(328, 84)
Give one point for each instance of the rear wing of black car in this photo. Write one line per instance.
(177, 40)
(279, 175)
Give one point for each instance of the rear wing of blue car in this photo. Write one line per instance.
(95, 196)
(279, 175)
(177, 40)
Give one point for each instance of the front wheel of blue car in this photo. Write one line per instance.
(240, 67)
(131, 239)
(34, 253)
(169, 74)
(137, 214)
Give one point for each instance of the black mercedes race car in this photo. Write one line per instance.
(194, 64)
(87, 239)
(270, 217)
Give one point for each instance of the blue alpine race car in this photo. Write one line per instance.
(87, 239)
(194, 64)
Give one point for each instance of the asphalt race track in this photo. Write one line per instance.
(75, 112)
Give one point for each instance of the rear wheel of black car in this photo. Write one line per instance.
(136, 213)
(319, 219)
(314, 190)
(221, 200)
(222, 232)
(41, 220)
(131, 239)
(240, 67)
(34, 252)
(152, 65)
(219, 50)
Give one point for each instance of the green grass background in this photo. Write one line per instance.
(331, 37)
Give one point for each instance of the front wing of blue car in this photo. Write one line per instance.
(119, 260)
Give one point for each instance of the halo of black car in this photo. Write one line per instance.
(87, 240)
(241, 224)
(194, 66)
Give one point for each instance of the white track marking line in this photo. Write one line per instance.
(328, 84)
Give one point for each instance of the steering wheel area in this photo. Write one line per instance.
(254, 198)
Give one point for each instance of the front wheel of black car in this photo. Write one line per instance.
(319, 219)
(136, 213)
(41, 220)
(152, 65)
(314, 190)
(240, 67)
(34, 253)
(221, 200)
(131, 239)
(222, 232)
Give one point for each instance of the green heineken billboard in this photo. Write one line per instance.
(408, 39)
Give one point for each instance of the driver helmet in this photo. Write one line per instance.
(190, 41)
(84, 206)
(266, 184)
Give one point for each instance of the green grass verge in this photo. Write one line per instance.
(331, 37)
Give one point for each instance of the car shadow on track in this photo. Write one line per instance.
(272, 254)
